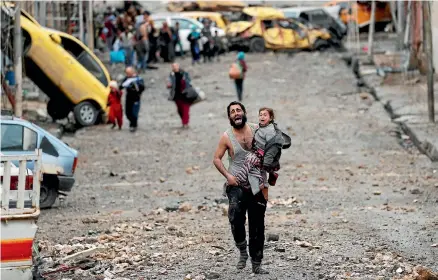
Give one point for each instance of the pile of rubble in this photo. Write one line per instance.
(129, 249)
(379, 266)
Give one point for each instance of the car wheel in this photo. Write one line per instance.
(320, 45)
(257, 44)
(86, 113)
(57, 109)
(48, 195)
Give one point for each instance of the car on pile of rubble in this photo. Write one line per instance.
(319, 17)
(67, 71)
(59, 161)
(261, 28)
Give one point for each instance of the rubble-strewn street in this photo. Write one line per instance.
(354, 199)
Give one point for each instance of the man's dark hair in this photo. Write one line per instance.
(146, 13)
(235, 103)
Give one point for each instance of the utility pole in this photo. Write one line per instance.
(90, 29)
(393, 6)
(400, 16)
(81, 22)
(371, 29)
(427, 38)
(68, 12)
(18, 68)
(42, 13)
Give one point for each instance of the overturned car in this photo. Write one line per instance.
(320, 17)
(262, 28)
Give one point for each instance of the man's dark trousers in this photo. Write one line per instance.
(240, 201)
(132, 108)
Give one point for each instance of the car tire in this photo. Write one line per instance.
(48, 195)
(257, 45)
(57, 109)
(86, 113)
(320, 45)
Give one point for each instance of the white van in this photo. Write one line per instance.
(185, 27)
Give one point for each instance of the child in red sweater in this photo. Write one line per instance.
(115, 104)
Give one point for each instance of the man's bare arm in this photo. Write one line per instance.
(143, 31)
(219, 154)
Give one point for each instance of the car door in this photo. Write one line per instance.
(84, 69)
(277, 33)
(300, 33)
(185, 27)
(271, 33)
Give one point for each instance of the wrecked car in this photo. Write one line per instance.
(318, 17)
(262, 28)
(59, 161)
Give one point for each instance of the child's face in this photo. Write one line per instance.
(264, 117)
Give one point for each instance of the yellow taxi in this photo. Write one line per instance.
(264, 28)
(67, 71)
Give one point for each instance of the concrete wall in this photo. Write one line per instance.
(434, 16)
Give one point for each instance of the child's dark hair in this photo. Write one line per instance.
(270, 111)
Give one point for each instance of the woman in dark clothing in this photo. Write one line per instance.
(166, 50)
(178, 81)
(193, 38)
(153, 41)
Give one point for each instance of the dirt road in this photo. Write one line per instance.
(350, 202)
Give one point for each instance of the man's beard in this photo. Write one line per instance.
(238, 126)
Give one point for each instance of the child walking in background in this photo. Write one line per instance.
(115, 104)
(237, 72)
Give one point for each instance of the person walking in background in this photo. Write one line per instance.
(134, 86)
(111, 31)
(218, 46)
(193, 38)
(179, 80)
(115, 105)
(166, 49)
(206, 47)
(153, 43)
(177, 40)
(243, 68)
(142, 45)
(127, 39)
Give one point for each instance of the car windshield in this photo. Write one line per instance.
(291, 14)
(84, 58)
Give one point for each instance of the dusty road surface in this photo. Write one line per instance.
(350, 202)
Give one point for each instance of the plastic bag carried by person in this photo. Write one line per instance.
(193, 95)
(235, 71)
(117, 56)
